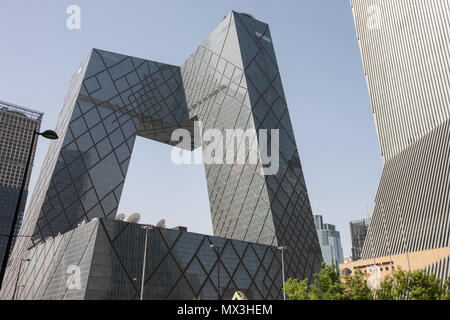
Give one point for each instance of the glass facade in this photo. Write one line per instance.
(16, 130)
(103, 259)
(235, 68)
(330, 242)
(231, 81)
(8, 203)
(358, 232)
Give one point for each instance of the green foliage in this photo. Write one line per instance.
(386, 290)
(446, 290)
(329, 285)
(355, 286)
(410, 285)
(297, 290)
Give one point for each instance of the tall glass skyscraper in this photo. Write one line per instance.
(330, 242)
(231, 81)
(405, 48)
(358, 233)
(16, 131)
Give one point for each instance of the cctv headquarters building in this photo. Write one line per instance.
(71, 245)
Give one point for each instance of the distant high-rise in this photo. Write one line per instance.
(330, 242)
(16, 131)
(406, 56)
(358, 232)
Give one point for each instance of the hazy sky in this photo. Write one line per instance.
(320, 67)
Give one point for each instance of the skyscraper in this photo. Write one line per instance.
(231, 81)
(330, 242)
(405, 48)
(16, 131)
(358, 233)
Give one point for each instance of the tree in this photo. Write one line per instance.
(355, 286)
(385, 292)
(297, 290)
(446, 290)
(327, 285)
(410, 285)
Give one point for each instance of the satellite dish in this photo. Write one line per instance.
(134, 218)
(161, 223)
(120, 217)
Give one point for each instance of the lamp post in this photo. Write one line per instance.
(49, 134)
(146, 228)
(216, 249)
(18, 276)
(282, 248)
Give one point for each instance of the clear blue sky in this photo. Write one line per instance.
(320, 66)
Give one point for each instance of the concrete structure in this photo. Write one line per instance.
(433, 261)
(330, 242)
(231, 81)
(16, 131)
(406, 57)
(358, 233)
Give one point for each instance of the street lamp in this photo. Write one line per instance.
(282, 248)
(48, 134)
(18, 276)
(146, 228)
(216, 249)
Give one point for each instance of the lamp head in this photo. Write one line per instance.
(49, 134)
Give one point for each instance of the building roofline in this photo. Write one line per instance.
(26, 111)
(360, 220)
